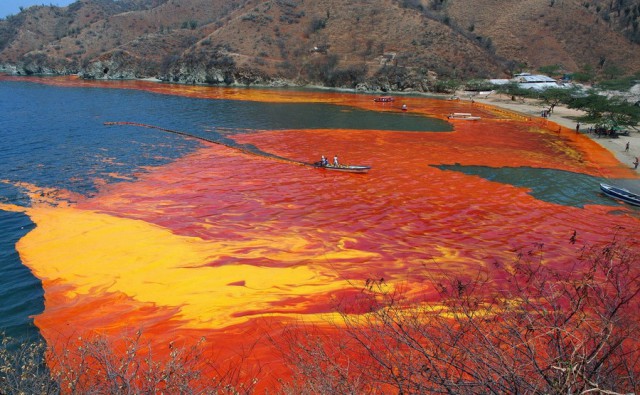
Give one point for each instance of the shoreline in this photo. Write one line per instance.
(566, 117)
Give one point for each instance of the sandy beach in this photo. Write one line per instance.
(566, 117)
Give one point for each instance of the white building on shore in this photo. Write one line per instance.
(530, 81)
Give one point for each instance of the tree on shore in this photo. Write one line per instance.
(552, 97)
(513, 89)
(605, 111)
(600, 110)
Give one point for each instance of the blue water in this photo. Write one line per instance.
(550, 185)
(55, 137)
(21, 294)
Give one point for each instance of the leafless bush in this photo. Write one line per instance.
(125, 366)
(530, 327)
(22, 367)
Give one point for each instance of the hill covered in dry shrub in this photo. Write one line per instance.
(372, 44)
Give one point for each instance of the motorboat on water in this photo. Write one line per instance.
(621, 194)
(343, 168)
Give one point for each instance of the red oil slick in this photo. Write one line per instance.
(228, 246)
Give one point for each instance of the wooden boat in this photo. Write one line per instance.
(343, 168)
(463, 115)
(621, 194)
(384, 99)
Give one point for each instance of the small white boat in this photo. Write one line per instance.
(463, 116)
(621, 194)
(343, 168)
(384, 99)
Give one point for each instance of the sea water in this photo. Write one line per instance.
(56, 137)
(238, 237)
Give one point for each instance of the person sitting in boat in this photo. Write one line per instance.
(335, 161)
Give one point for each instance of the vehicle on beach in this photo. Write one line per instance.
(343, 168)
(463, 116)
(621, 194)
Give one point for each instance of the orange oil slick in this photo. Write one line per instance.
(226, 245)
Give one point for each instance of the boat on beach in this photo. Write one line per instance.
(621, 194)
(384, 99)
(343, 168)
(463, 116)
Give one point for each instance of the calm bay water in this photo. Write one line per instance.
(550, 185)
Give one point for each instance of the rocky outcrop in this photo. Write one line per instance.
(8, 68)
(215, 67)
(229, 75)
(201, 74)
(38, 63)
(116, 65)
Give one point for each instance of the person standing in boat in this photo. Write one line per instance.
(335, 161)
(324, 161)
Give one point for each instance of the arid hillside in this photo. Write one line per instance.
(373, 44)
